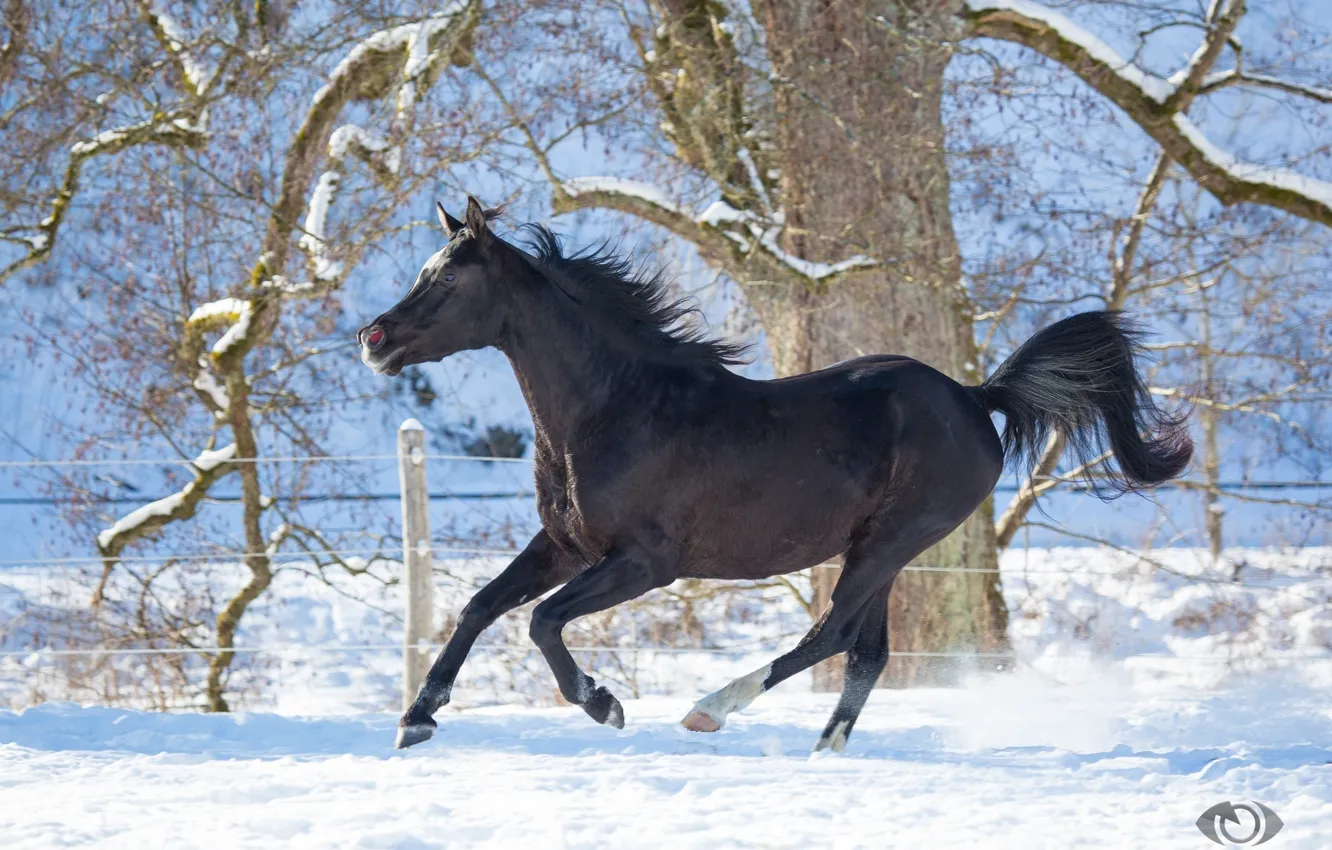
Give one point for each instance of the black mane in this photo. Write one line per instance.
(631, 302)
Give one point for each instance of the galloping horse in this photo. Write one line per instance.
(654, 462)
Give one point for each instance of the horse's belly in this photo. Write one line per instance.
(779, 534)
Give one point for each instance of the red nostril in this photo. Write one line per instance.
(375, 338)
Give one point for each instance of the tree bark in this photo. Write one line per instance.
(256, 552)
(1207, 416)
(861, 140)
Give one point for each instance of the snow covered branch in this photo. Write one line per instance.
(236, 311)
(384, 158)
(194, 76)
(209, 467)
(758, 234)
(372, 148)
(315, 239)
(1054, 34)
(401, 59)
(1223, 17)
(1235, 77)
(1155, 104)
(211, 390)
(234, 314)
(178, 129)
(646, 193)
(746, 244)
(1232, 180)
(644, 202)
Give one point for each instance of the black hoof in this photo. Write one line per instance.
(605, 708)
(411, 734)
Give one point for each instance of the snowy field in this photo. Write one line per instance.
(1016, 763)
(1145, 694)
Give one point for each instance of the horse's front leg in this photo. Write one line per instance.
(537, 569)
(623, 574)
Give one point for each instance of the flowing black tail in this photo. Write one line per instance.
(1077, 377)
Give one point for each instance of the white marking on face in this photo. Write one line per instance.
(735, 696)
(436, 262)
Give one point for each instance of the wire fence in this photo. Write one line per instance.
(50, 653)
(278, 649)
(178, 461)
(1232, 486)
(746, 649)
(305, 555)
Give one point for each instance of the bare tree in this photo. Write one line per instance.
(811, 152)
(802, 149)
(1184, 258)
(218, 152)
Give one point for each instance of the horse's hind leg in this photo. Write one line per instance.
(836, 631)
(865, 660)
(888, 544)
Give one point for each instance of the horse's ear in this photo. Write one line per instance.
(476, 219)
(450, 224)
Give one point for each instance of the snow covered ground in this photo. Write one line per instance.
(1146, 692)
(1010, 762)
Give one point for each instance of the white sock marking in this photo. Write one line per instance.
(836, 741)
(734, 696)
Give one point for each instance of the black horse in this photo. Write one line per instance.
(654, 462)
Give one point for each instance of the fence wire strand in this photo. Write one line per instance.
(279, 649)
(176, 461)
(305, 555)
(393, 556)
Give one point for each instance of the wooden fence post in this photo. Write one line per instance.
(415, 559)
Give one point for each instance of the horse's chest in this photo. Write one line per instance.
(571, 508)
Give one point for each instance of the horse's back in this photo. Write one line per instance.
(802, 462)
(870, 367)
(764, 477)
(901, 387)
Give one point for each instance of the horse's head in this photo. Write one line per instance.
(458, 301)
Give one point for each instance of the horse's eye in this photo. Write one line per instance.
(450, 277)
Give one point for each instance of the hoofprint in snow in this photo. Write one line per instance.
(1143, 697)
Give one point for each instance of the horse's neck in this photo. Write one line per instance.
(560, 396)
(568, 373)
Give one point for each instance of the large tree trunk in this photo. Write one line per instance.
(861, 139)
